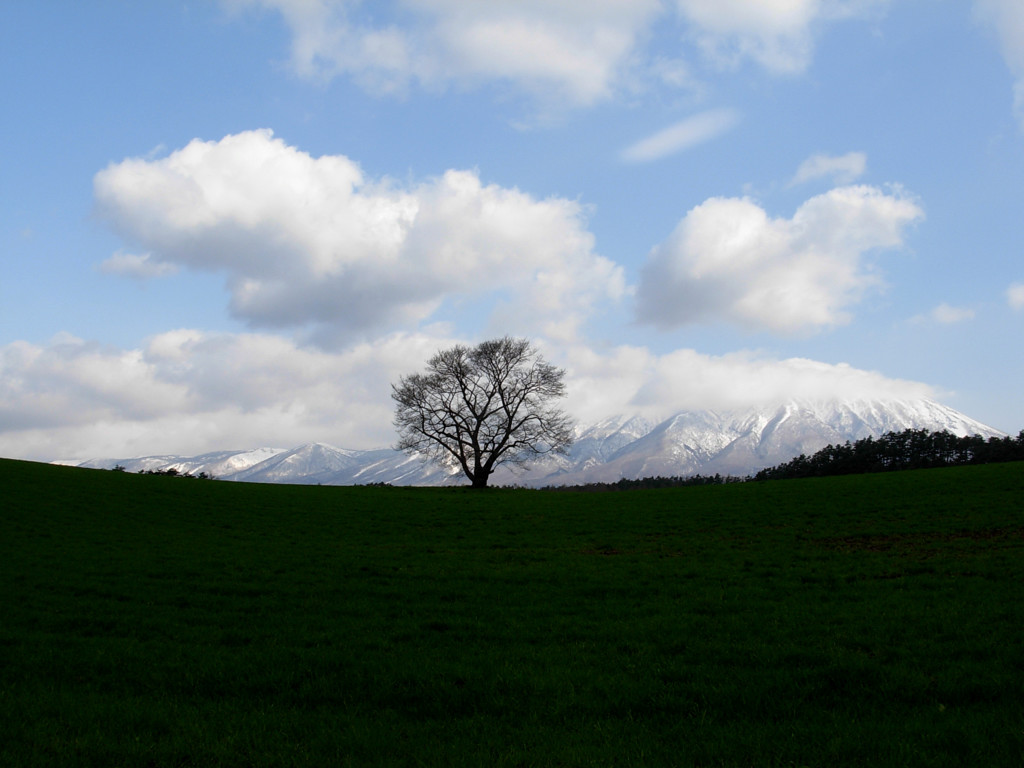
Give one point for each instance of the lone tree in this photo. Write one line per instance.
(483, 406)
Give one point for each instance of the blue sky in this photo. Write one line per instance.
(231, 224)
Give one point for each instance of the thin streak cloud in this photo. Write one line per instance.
(682, 136)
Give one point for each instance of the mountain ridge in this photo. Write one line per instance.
(736, 442)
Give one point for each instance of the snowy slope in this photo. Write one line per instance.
(742, 442)
(693, 442)
(320, 463)
(221, 464)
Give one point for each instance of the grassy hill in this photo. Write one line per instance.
(855, 621)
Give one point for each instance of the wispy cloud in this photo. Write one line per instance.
(575, 51)
(945, 314)
(777, 34)
(1006, 18)
(579, 51)
(842, 169)
(142, 266)
(1015, 296)
(684, 135)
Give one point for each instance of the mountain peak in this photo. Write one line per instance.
(738, 442)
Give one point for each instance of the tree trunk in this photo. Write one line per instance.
(480, 480)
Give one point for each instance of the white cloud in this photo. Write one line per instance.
(728, 260)
(686, 378)
(632, 380)
(191, 392)
(571, 50)
(840, 169)
(945, 314)
(141, 266)
(565, 52)
(1015, 296)
(778, 34)
(1006, 18)
(684, 135)
(327, 42)
(107, 383)
(312, 243)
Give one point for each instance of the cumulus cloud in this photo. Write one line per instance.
(1006, 18)
(840, 169)
(778, 34)
(312, 242)
(571, 49)
(729, 260)
(684, 135)
(945, 314)
(1015, 296)
(190, 392)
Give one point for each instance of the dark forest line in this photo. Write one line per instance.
(893, 451)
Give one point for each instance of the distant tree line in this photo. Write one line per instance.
(909, 449)
(169, 472)
(626, 484)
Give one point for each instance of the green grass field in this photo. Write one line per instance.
(856, 621)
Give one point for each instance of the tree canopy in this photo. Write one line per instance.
(483, 406)
(909, 449)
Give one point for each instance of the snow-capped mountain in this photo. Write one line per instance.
(739, 442)
(743, 441)
(218, 464)
(320, 463)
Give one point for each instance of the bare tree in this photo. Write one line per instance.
(482, 407)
